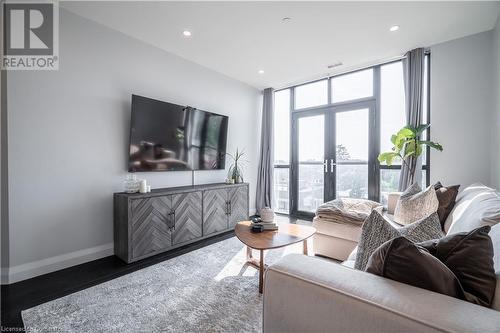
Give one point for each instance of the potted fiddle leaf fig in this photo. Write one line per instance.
(406, 143)
(235, 169)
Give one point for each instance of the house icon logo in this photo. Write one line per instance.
(30, 36)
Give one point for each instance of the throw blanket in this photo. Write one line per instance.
(347, 210)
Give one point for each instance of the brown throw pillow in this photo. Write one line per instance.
(469, 255)
(446, 196)
(401, 260)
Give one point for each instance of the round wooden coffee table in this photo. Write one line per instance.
(286, 234)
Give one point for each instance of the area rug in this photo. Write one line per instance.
(207, 290)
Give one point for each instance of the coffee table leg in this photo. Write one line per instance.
(249, 253)
(261, 272)
(305, 246)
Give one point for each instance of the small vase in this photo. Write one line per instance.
(236, 175)
(130, 184)
(267, 214)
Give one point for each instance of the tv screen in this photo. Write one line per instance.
(171, 137)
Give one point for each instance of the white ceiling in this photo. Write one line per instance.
(240, 38)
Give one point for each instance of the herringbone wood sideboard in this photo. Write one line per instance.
(146, 224)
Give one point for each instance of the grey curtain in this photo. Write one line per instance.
(264, 196)
(413, 74)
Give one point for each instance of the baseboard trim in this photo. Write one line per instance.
(26, 271)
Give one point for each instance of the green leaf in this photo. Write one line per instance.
(387, 157)
(408, 154)
(409, 149)
(431, 144)
(383, 156)
(406, 132)
(421, 128)
(418, 151)
(393, 139)
(410, 127)
(399, 140)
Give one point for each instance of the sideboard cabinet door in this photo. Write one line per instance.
(214, 211)
(150, 225)
(238, 205)
(187, 208)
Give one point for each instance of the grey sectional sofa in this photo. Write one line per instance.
(310, 294)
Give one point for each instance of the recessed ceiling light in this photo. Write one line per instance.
(394, 28)
(286, 19)
(186, 33)
(260, 71)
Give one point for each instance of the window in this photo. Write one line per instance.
(311, 94)
(392, 118)
(392, 103)
(352, 86)
(352, 154)
(281, 190)
(282, 127)
(337, 135)
(310, 158)
(282, 151)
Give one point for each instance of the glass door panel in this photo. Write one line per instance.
(310, 158)
(281, 190)
(352, 153)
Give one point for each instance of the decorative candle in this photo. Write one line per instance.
(143, 188)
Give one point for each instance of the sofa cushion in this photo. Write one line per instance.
(376, 231)
(476, 205)
(469, 255)
(446, 196)
(340, 230)
(401, 260)
(495, 239)
(415, 204)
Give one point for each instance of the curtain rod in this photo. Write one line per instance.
(348, 70)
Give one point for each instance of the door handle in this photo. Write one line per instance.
(325, 165)
(169, 221)
(173, 214)
(171, 218)
(230, 207)
(332, 164)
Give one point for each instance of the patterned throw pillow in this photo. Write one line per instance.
(415, 204)
(376, 231)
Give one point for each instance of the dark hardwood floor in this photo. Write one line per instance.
(29, 293)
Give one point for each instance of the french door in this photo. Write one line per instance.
(333, 155)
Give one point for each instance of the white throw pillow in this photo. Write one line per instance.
(415, 204)
(476, 205)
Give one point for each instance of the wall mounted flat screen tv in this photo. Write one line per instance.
(171, 137)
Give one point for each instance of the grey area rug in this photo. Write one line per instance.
(207, 290)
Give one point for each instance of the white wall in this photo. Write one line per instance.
(68, 137)
(495, 166)
(461, 104)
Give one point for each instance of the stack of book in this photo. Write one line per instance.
(266, 225)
